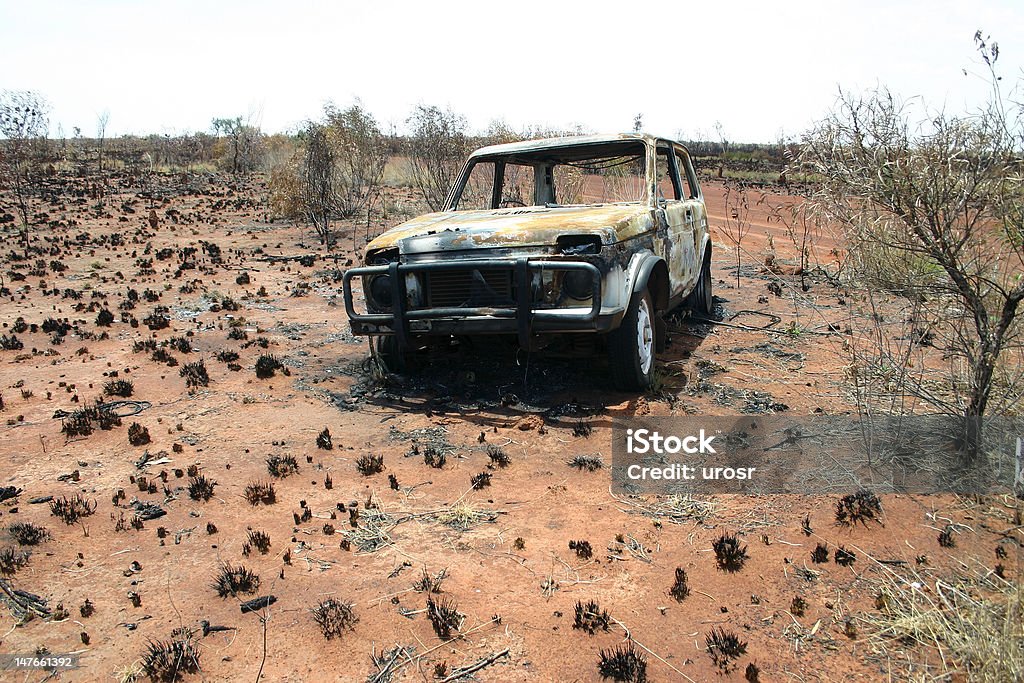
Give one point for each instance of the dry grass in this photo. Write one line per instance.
(974, 623)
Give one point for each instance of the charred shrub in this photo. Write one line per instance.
(334, 617)
(444, 616)
(235, 580)
(200, 488)
(104, 318)
(798, 606)
(282, 465)
(623, 664)
(138, 435)
(71, 510)
(168, 661)
(724, 647)
(157, 320)
(591, 618)
(25, 533)
(370, 464)
(195, 374)
(862, 506)
(729, 553)
(481, 480)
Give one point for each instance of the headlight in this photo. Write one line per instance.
(381, 290)
(577, 284)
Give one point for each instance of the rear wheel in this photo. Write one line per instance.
(631, 346)
(701, 300)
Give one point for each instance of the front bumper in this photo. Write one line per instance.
(524, 319)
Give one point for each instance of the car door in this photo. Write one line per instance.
(678, 211)
(694, 213)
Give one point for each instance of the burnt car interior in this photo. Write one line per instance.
(578, 175)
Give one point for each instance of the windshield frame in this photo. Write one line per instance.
(628, 145)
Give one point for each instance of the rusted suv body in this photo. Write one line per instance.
(593, 234)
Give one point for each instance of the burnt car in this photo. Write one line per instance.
(587, 240)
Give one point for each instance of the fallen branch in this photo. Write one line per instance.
(465, 671)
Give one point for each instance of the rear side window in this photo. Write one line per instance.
(668, 186)
(686, 174)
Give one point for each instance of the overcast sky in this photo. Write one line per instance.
(757, 67)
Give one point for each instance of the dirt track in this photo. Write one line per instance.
(530, 408)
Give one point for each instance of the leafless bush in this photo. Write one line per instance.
(23, 125)
(930, 203)
(437, 145)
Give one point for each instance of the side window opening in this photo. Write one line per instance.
(667, 182)
(686, 174)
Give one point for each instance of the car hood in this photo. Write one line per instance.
(514, 227)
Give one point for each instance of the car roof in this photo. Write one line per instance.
(568, 141)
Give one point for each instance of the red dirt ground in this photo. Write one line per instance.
(230, 427)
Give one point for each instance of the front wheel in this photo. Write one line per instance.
(631, 346)
(394, 360)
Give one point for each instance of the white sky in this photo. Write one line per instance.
(757, 67)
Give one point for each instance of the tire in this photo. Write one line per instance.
(701, 299)
(387, 352)
(631, 347)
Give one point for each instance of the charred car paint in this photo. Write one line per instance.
(591, 234)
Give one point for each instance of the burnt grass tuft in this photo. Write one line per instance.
(862, 506)
(444, 616)
(119, 387)
(724, 647)
(729, 553)
(323, 440)
(820, 553)
(235, 580)
(259, 540)
(498, 456)
(200, 488)
(370, 464)
(12, 560)
(623, 664)
(844, 557)
(138, 435)
(480, 481)
(267, 365)
(583, 549)
(195, 374)
(681, 586)
(590, 617)
(259, 492)
(168, 661)
(282, 465)
(72, 510)
(590, 463)
(25, 533)
(334, 617)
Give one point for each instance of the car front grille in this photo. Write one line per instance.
(470, 288)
